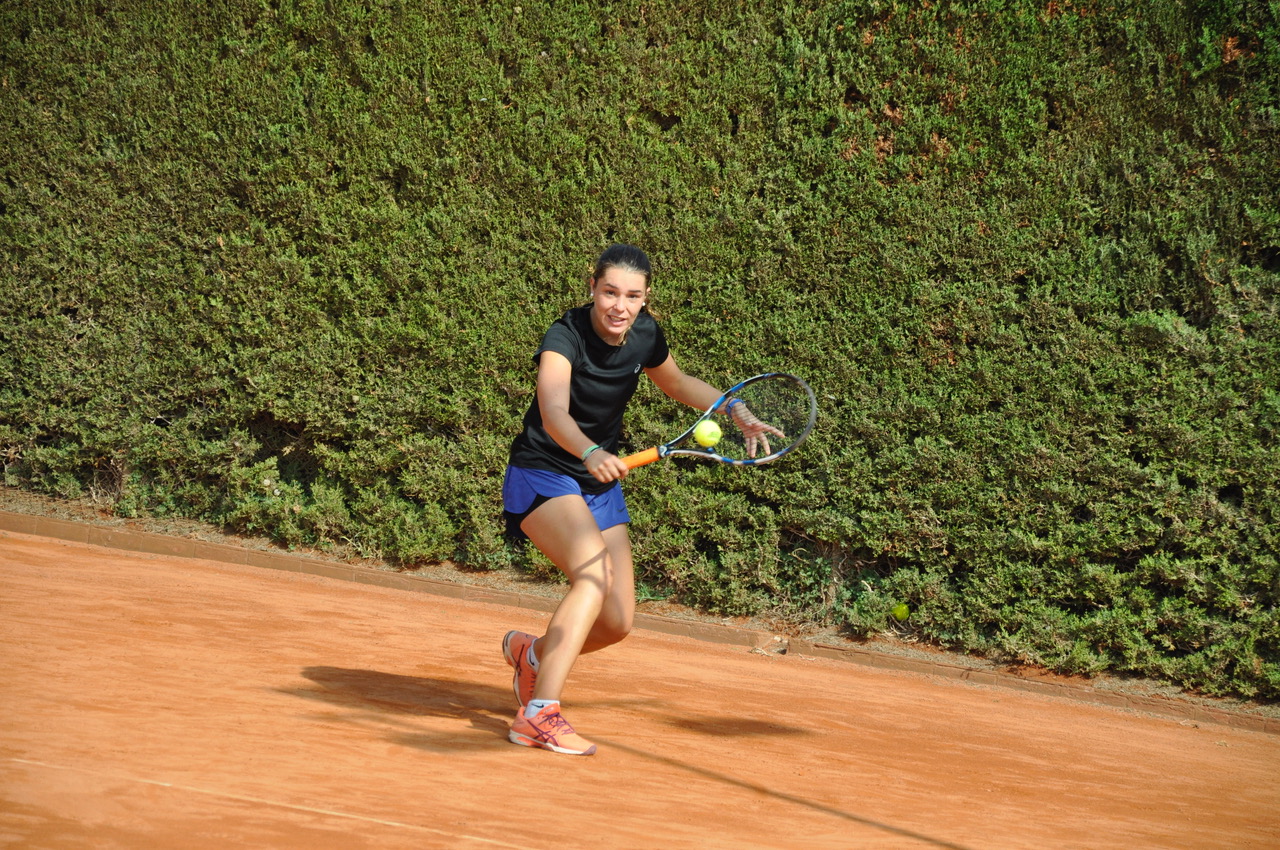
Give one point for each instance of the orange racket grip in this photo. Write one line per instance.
(641, 458)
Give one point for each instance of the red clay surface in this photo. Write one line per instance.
(157, 701)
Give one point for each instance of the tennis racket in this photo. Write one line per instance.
(760, 420)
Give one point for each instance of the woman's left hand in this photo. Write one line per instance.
(754, 431)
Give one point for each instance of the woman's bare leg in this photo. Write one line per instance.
(599, 607)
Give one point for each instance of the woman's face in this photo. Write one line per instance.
(618, 296)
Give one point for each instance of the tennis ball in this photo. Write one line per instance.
(707, 433)
(900, 611)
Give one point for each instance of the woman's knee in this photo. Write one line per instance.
(619, 626)
(607, 632)
(617, 616)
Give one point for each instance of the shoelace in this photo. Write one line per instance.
(554, 725)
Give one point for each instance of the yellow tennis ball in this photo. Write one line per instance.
(707, 434)
(900, 611)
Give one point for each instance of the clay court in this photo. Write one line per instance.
(156, 700)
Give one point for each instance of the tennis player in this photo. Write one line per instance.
(562, 487)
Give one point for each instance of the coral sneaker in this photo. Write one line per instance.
(515, 648)
(549, 730)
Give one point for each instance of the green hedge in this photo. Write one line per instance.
(280, 266)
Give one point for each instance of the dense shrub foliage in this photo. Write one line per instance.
(281, 266)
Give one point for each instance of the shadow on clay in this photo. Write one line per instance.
(732, 727)
(374, 698)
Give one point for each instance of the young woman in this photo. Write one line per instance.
(562, 488)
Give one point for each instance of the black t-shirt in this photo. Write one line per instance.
(604, 379)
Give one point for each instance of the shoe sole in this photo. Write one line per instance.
(506, 653)
(525, 741)
(506, 647)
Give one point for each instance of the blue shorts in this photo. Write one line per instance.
(523, 490)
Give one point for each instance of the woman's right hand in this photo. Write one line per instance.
(605, 467)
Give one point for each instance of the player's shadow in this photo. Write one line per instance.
(389, 700)
(738, 727)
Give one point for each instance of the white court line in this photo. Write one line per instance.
(244, 798)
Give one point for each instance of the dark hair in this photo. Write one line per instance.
(626, 257)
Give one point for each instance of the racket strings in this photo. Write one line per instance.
(777, 414)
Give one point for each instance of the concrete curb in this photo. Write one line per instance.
(180, 547)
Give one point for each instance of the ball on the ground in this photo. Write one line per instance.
(901, 611)
(707, 434)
